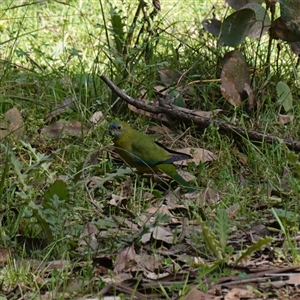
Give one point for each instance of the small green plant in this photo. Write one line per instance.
(17, 273)
(55, 201)
(216, 240)
(128, 39)
(289, 224)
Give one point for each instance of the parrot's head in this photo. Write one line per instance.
(118, 128)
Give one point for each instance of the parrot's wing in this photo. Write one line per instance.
(147, 152)
(175, 156)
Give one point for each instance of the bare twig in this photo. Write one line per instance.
(189, 118)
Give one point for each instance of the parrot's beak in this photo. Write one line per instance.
(112, 129)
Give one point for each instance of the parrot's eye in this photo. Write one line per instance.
(119, 127)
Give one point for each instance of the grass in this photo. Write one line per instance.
(51, 51)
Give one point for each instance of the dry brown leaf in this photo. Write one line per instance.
(133, 227)
(196, 294)
(161, 89)
(125, 259)
(88, 237)
(64, 129)
(237, 294)
(117, 200)
(191, 196)
(285, 119)
(145, 219)
(169, 76)
(150, 262)
(12, 123)
(163, 234)
(199, 155)
(4, 255)
(187, 176)
(146, 238)
(163, 210)
(235, 79)
(96, 117)
(170, 198)
(211, 196)
(155, 276)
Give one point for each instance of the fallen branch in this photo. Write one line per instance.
(189, 117)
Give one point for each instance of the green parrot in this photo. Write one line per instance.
(144, 154)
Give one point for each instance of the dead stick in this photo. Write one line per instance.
(189, 117)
